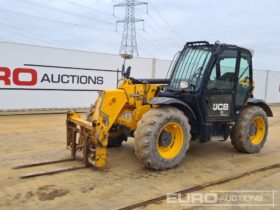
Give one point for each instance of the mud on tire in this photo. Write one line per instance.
(147, 136)
(240, 133)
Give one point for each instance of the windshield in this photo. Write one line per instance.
(189, 70)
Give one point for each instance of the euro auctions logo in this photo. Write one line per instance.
(225, 198)
(49, 78)
(14, 77)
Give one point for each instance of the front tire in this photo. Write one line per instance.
(250, 131)
(162, 138)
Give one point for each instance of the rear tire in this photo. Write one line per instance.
(162, 138)
(250, 131)
(115, 138)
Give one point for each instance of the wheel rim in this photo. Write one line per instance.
(170, 140)
(257, 130)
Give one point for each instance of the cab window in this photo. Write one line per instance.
(223, 72)
(244, 82)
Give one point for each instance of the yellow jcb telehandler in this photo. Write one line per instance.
(209, 96)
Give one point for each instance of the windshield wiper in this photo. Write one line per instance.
(197, 72)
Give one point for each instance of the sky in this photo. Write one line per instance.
(90, 25)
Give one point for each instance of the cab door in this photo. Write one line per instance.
(244, 88)
(220, 90)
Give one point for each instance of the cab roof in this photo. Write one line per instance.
(206, 43)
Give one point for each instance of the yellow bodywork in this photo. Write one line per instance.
(246, 83)
(124, 106)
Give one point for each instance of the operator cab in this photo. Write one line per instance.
(214, 81)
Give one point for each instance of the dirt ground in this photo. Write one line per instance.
(124, 181)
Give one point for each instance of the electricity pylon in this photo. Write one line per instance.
(129, 43)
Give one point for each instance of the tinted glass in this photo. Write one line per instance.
(243, 79)
(191, 66)
(223, 73)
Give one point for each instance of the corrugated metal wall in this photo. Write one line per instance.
(267, 85)
(273, 87)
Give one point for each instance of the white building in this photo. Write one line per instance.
(34, 77)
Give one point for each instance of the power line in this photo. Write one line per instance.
(160, 34)
(22, 34)
(35, 35)
(88, 8)
(152, 40)
(164, 20)
(152, 55)
(146, 41)
(27, 35)
(65, 12)
(155, 42)
(35, 17)
(162, 31)
(154, 46)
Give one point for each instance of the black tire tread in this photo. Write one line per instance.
(240, 132)
(147, 131)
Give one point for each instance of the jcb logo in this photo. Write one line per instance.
(220, 107)
(14, 77)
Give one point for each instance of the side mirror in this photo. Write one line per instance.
(127, 73)
(122, 72)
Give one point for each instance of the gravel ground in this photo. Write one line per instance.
(124, 181)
